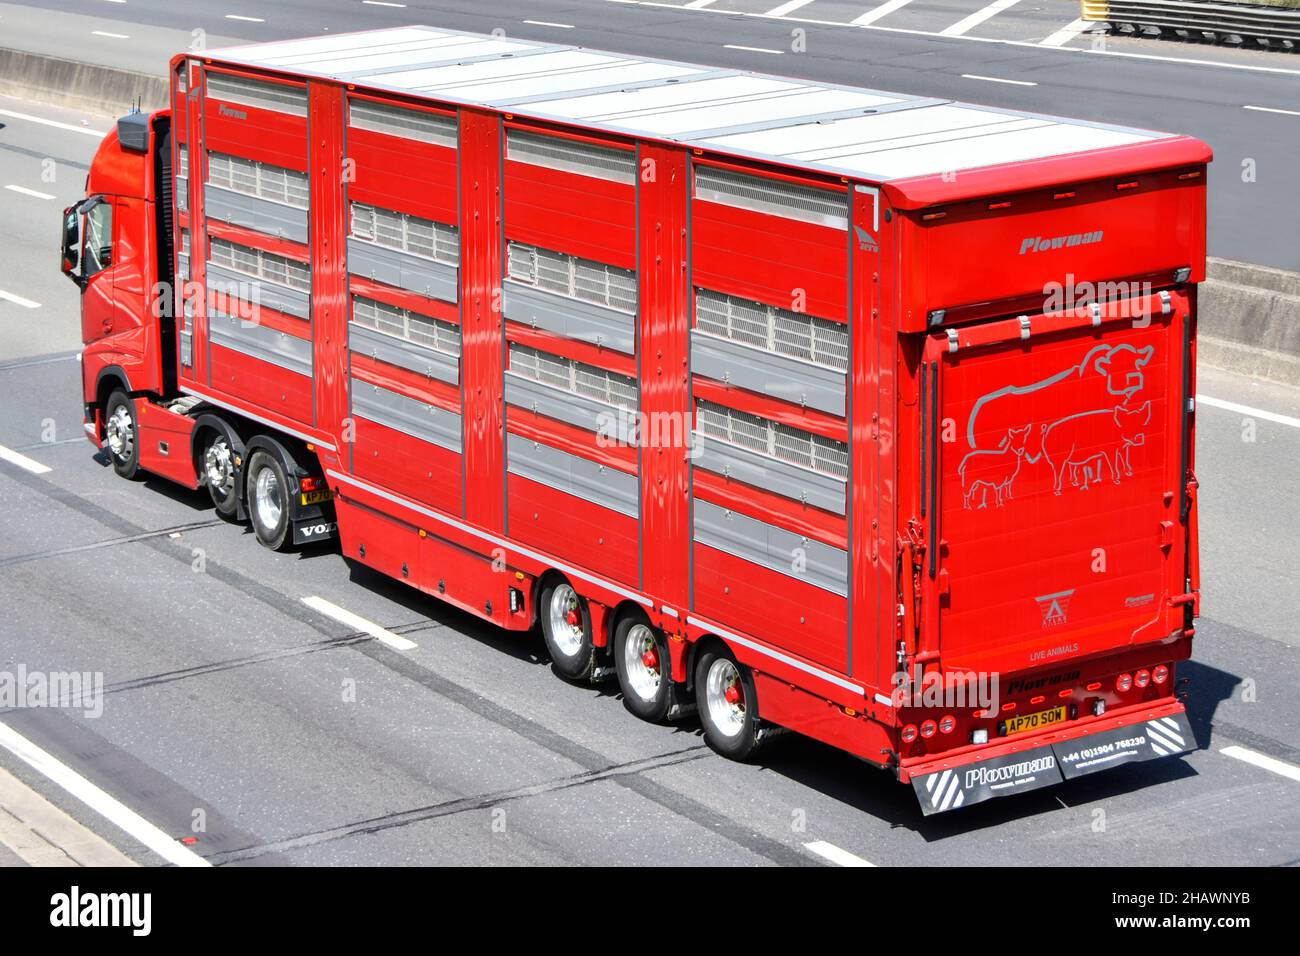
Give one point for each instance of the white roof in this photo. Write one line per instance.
(861, 133)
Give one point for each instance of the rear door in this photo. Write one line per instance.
(1054, 483)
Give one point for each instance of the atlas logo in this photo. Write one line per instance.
(866, 242)
(1055, 607)
(1041, 244)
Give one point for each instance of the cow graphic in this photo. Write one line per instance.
(1111, 374)
(994, 469)
(1089, 443)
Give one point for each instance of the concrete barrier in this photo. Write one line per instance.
(84, 86)
(1250, 321)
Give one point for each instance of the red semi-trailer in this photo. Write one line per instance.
(865, 415)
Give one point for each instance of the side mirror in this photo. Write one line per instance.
(71, 244)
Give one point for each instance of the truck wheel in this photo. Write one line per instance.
(121, 434)
(268, 500)
(641, 659)
(566, 629)
(724, 693)
(218, 473)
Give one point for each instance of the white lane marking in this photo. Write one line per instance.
(966, 24)
(1029, 44)
(871, 16)
(698, 4)
(22, 461)
(1272, 109)
(1066, 33)
(785, 8)
(382, 3)
(1248, 410)
(29, 192)
(359, 623)
(18, 300)
(55, 123)
(112, 810)
(111, 36)
(236, 16)
(1265, 762)
(996, 79)
(751, 49)
(836, 855)
(548, 23)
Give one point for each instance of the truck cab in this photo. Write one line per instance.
(116, 249)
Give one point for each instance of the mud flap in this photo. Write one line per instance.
(996, 777)
(309, 532)
(1161, 737)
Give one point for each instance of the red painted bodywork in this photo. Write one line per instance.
(944, 306)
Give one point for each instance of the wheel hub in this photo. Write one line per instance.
(266, 498)
(641, 662)
(119, 433)
(565, 614)
(219, 466)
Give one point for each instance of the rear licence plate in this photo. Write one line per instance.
(316, 497)
(1034, 721)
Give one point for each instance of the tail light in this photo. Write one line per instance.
(948, 724)
(1142, 678)
(928, 729)
(1160, 674)
(1124, 682)
(311, 484)
(909, 733)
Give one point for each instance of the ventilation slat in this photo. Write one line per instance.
(774, 330)
(408, 123)
(262, 180)
(823, 207)
(258, 93)
(570, 276)
(261, 265)
(570, 156)
(406, 233)
(773, 439)
(404, 324)
(577, 378)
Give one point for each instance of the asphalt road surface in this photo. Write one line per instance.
(287, 737)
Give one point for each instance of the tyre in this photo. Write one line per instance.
(122, 434)
(217, 470)
(566, 629)
(728, 705)
(641, 660)
(268, 500)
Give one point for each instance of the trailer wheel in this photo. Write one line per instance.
(728, 705)
(122, 434)
(218, 473)
(566, 629)
(641, 660)
(268, 501)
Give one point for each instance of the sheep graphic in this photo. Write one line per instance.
(993, 469)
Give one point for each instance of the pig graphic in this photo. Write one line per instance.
(1092, 442)
(994, 468)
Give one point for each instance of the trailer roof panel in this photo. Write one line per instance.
(823, 127)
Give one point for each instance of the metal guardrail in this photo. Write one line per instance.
(1233, 24)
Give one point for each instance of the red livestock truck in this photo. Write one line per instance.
(860, 414)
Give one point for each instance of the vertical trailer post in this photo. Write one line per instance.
(482, 343)
(664, 350)
(328, 232)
